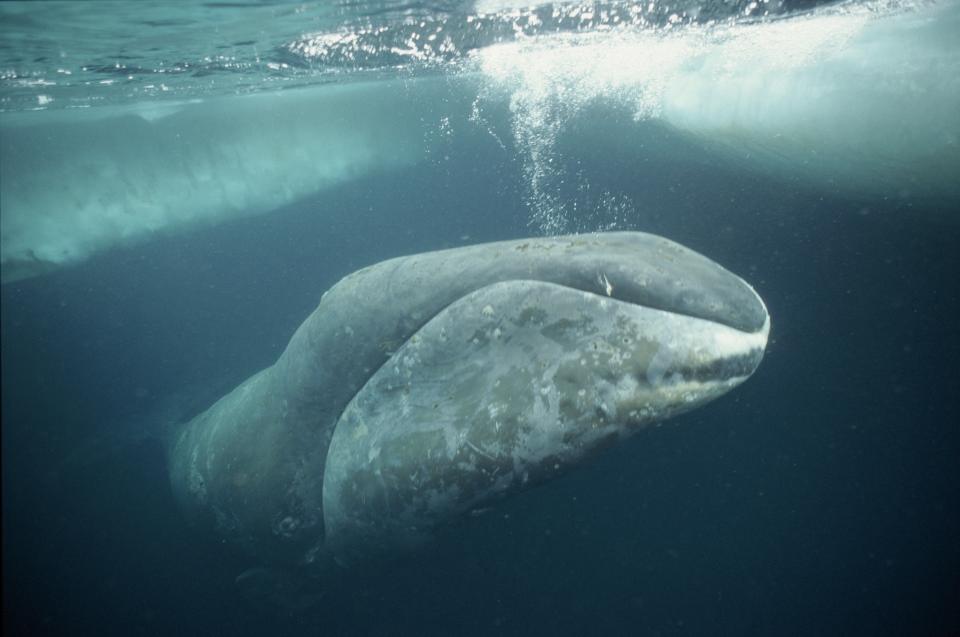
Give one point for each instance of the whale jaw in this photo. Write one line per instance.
(509, 386)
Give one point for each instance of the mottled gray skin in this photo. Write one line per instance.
(426, 386)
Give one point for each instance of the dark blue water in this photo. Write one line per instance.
(819, 498)
(822, 497)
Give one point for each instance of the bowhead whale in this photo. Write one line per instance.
(428, 386)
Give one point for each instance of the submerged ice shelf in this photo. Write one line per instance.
(94, 179)
(857, 99)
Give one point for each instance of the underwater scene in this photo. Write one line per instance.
(489, 317)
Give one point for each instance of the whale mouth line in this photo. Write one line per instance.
(608, 292)
(736, 362)
(725, 368)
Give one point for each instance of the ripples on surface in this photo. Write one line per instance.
(69, 54)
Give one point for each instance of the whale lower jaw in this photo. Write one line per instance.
(508, 386)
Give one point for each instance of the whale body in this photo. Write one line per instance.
(426, 387)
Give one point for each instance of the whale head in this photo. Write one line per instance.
(523, 378)
(429, 386)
